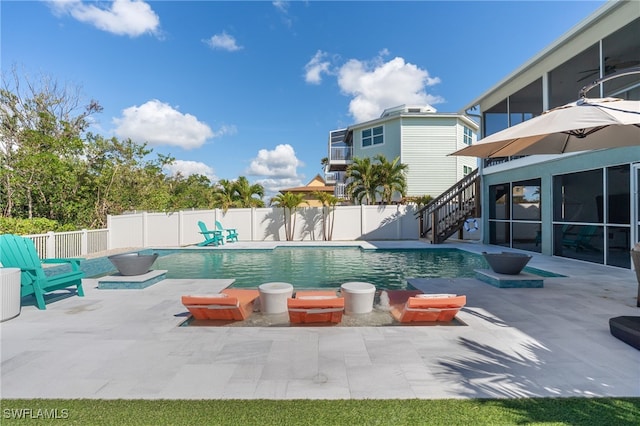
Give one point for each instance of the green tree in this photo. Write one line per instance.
(223, 196)
(194, 191)
(289, 203)
(391, 177)
(123, 177)
(324, 162)
(41, 125)
(245, 192)
(329, 202)
(364, 181)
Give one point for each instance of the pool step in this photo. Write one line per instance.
(522, 280)
(138, 282)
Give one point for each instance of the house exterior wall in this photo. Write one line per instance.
(525, 169)
(424, 143)
(602, 37)
(392, 139)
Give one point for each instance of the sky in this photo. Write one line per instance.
(240, 88)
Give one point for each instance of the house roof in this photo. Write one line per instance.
(315, 184)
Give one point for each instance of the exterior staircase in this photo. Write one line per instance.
(446, 214)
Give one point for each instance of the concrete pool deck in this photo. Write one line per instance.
(518, 342)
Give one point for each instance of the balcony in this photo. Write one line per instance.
(343, 155)
(332, 178)
(340, 191)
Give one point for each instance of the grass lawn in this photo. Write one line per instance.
(529, 411)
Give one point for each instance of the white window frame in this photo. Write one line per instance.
(467, 136)
(372, 137)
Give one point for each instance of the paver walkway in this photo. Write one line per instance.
(553, 341)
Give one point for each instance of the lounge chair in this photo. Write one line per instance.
(429, 307)
(230, 304)
(232, 234)
(210, 237)
(20, 252)
(315, 307)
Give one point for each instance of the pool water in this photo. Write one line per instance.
(321, 267)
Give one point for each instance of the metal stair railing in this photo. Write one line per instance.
(446, 214)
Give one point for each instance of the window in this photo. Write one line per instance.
(373, 136)
(514, 215)
(466, 170)
(592, 215)
(525, 197)
(468, 136)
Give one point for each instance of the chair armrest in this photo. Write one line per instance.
(74, 261)
(211, 232)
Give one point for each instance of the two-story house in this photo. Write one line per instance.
(582, 205)
(419, 135)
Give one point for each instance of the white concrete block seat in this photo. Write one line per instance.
(273, 297)
(358, 297)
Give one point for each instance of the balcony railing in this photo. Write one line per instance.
(341, 154)
(335, 177)
(340, 191)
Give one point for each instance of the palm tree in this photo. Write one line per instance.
(329, 202)
(223, 197)
(289, 203)
(364, 180)
(392, 177)
(245, 192)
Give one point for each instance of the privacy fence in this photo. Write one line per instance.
(178, 229)
(392, 222)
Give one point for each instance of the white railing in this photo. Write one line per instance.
(341, 154)
(335, 177)
(340, 191)
(70, 244)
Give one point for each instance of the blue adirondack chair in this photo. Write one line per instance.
(210, 237)
(20, 252)
(232, 234)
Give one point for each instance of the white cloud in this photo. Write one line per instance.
(283, 9)
(223, 42)
(122, 17)
(188, 168)
(282, 6)
(316, 67)
(277, 169)
(273, 186)
(378, 85)
(159, 123)
(280, 162)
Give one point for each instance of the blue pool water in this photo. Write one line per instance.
(320, 267)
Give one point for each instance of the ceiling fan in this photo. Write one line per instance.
(608, 68)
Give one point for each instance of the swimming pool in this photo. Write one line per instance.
(313, 267)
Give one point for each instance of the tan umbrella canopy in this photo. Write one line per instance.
(586, 124)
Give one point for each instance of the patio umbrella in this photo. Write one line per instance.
(586, 124)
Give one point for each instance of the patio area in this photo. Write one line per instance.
(517, 342)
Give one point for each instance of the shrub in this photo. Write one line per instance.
(10, 225)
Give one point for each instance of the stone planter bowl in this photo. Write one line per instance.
(506, 262)
(133, 263)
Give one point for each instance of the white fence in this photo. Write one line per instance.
(70, 244)
(392, 222)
